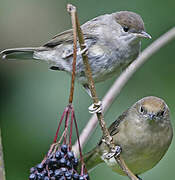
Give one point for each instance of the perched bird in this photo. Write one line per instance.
(144, 133)
(112, 42)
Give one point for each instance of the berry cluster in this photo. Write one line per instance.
(61, 165)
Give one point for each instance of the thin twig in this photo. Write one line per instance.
(72, 10)
(106, 135)
(88, 71)
(91, 84)
(2, 169)
(121, 82)
(74, 56)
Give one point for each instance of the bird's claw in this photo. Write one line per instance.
(95, 108)
(83, 51)
(114, 152)
(117, 151)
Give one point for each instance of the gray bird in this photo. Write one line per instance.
(112, 41)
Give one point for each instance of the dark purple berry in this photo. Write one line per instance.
(81, 178)
(40, 176)
(52, 163)
(62, 162)
(68, 178)
(58, 155)
(32, 177)
(86, 176)
(71, 172)
(32, 170)
(75, 176)
(46, 178)
(64, 148)
(51, 173)
(40, 167)
(63, 169)
(62, 154)
(68, 164)
(45, 172)
(58, 173)
(70, 155)
(68, 175)
(53, 178)
(62, 178)
(55, 166)
(75, 162)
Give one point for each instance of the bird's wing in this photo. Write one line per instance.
(58, 39)
(64, 37)
(113, 129)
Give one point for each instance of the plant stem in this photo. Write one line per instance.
(108, 139)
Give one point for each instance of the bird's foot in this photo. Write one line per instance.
(138, 177)
(114, 152)
(95, 108)
(84, 51)
(86, 87)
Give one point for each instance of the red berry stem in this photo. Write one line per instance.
(67, 123)
(71, 127)
(59, 125)
(76, 127)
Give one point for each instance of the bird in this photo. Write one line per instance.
(112, 41)
(144, 134)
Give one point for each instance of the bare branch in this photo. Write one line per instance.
(2, 169)
(74, 55)
(121, 82)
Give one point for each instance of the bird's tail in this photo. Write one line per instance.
(92, 159)
(20, 53)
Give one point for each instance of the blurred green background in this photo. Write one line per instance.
(32, 97)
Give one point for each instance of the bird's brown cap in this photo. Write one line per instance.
(131, 20)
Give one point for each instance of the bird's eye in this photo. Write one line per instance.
(126, 29)
(141, 109)
(161, 113)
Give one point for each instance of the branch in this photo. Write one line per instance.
(2, 170)
(74, 57)
(121, 82)
(106, 135)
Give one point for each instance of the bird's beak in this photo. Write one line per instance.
(151, 118)
(144, 34)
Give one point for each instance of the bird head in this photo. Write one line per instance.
(152, 110)
(131, 23)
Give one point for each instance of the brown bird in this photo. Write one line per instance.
(144, 133)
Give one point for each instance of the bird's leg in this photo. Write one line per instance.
(138, 177)
(86, 87)
(96, 107)
(85, 50)
(114, 152)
